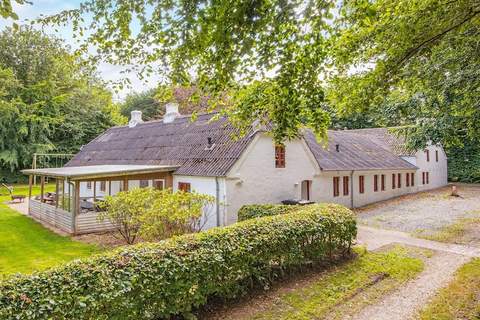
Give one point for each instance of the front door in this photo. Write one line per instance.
(306, 190)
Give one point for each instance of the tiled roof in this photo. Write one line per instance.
(387, 139)
(355, 152)
(182, 142)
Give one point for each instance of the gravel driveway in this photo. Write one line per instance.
(423, 212)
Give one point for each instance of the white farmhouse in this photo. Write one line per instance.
(357, 167)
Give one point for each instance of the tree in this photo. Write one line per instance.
(268, 51)
(419, 56)
(143, 101)
(156, 215)
(49, 99)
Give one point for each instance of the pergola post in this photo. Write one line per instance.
(76, 207)
(94, 191)
(125, 184)
(56, 193)
(42, 188)
(30, 181)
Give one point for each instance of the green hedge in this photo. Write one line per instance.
(263, 210)
(151, 281)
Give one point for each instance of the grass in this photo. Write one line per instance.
(460, 299)
(347, 288)
(26, 246)
(452, 233)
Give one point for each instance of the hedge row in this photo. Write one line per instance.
(264, 210)
(151, 281)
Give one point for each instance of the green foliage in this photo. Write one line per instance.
(6, 8)
(220, 47)
(263, 210)
(174, 276)
(156, 214)
(48, 98)
(416, 62)
(145, 102)
(464, 163)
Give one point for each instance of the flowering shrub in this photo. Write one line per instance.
(174, 276)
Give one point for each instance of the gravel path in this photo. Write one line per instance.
(425, 212)
(409, 299)
(374, 238)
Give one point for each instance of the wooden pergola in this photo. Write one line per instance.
(62, 208)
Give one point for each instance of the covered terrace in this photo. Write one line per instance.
(73, 207)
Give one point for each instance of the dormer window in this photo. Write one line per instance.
(279, 156)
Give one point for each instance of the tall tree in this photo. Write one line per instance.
(48, 99)
(419, 59)
(269, 54)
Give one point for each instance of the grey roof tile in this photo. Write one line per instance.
(356, 152)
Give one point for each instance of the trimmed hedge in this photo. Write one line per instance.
(175, 276)
(264, 210)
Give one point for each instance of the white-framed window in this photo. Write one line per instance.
(143, 183)
(159, 184)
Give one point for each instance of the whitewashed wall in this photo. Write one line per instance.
(254, 178)
(438, 174)
(208, 186)
(323, 187)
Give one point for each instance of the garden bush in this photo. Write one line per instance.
(263, 210)
(174, 276)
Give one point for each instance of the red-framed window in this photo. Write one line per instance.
(427, 174)
(336, 186)
(399, 176)
(412, 179)
(407, 179)
(423, 177)
(375, 183)
(345, 185)
(427, 153)
(393, 181)
(436, 155)
(279, 156)
(361, 184)
(184, 186)
(143, 183)
(382, 183)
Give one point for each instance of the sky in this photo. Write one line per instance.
(47, 7)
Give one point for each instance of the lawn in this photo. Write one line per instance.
(26, 246)
(338, 292)
(460, 299)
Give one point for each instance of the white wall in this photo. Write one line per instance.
(323, 187)
(208, 186)
(254, 178)
(88, 193)
(438, 175)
